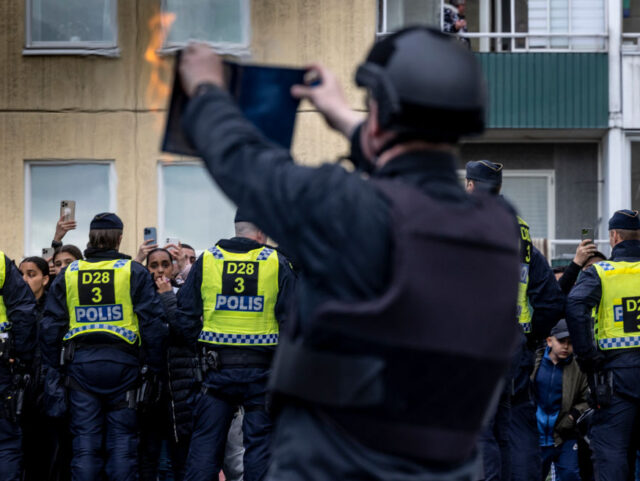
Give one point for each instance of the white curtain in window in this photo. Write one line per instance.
(74, 21)
(216, 21)
(530, 196)
(87, 184)
(572, 16)
(402, 13)
(192, 207)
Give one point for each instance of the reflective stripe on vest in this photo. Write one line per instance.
(524, 312)
(99, 299)
(5, 325)
(618, 323)
(239, 293)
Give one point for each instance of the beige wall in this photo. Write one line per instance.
(74, 107)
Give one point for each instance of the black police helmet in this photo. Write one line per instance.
(426, 84)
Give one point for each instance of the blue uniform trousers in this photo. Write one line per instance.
(565, 460)
(10, 450)
(213, 414)
(614, 440)
(523, 440)
(494, 443)
(99, 412)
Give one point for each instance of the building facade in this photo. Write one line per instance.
(85, 85)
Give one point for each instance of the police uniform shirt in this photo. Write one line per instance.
(188, 322)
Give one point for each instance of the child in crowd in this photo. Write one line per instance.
(560, 390)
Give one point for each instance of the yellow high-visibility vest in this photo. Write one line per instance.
(525, 313)
(617, 325)
(5, 325)
(239, 293)
(99, 299)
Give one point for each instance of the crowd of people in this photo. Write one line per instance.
(420, 336)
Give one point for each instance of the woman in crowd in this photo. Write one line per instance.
(46, 450)
(64, 256)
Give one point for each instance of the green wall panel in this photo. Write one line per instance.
(547, 90)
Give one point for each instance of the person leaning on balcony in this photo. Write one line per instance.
(454, 20)
(609, 351)
(99, 314)
(386, 372)
(540, 305)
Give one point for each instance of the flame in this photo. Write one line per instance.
(158, 88)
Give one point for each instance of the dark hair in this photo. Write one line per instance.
(158, 249)
(187, 246)
(598, 254)
(41, 264)
(104, 238)
(69, 249)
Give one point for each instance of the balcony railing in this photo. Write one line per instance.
(539, 42)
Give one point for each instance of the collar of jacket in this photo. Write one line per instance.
(424, 163)
(628, 250)
(239, 244)
(97, 254)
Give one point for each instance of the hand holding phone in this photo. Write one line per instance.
(47, 253)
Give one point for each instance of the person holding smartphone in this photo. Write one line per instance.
(607, 344)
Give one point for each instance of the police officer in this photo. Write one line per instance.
(99, 311)
(17, 344)
(233, 303)
(609, 351)
(540, 306)
(400, 342)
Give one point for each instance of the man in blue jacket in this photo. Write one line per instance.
(17, 344)
(540, 306)
(98, 313)
(607, 342)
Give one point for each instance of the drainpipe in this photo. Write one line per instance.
(617, 165)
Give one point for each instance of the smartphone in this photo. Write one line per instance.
(47, 253)
(68, 210)
(587, 233)
(150, 233)
(173, 240)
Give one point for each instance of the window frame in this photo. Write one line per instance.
(105, 49)
(225, 48)
(28, 163)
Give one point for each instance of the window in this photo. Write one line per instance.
(191, 206)
(532, 193)
(71, 27)
(223, 23)
(90, 184)
(396, 14)
(578, 17)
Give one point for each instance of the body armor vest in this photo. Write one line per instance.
(415, 371)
